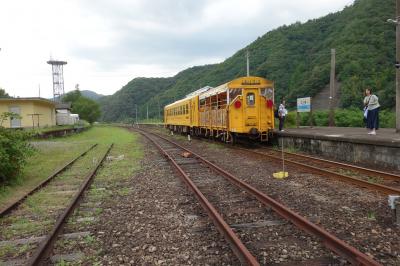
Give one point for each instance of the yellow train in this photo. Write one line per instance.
(243, 107)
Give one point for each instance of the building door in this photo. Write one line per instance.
(15, 122)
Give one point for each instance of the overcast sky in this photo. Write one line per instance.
(109, 42)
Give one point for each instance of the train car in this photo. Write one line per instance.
(240, 108)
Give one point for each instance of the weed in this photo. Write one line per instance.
(89, 240)
(374, 179)
(124, 191)
(371, 215)
(63, 263)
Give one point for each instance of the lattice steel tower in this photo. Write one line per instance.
(58, 79)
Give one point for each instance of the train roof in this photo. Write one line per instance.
(208, 91)
(214, 91)
(191, 95)
(199, 91)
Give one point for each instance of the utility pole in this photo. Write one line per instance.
(332, 90)
(397, 69)
(397, 65)
(248, 63)
(147, 112)
(136, 113)
(159, 110)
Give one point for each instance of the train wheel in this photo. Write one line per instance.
(231, 138)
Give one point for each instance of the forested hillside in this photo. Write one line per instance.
(296, 57)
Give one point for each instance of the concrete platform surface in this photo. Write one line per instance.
(384, 137)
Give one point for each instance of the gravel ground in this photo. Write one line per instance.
(357, 216)
(150, 219)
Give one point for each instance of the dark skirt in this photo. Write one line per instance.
(373, 118)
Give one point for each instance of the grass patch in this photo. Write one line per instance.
(124, 191)
(214, 146)
(14, 250)
(54, 153)
(23, 226)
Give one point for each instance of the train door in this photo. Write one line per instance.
(250, 107)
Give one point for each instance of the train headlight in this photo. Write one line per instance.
(238, 104)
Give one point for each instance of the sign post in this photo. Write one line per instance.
(304, 106)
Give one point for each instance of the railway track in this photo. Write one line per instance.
(239, 210)
(335, 166)
(336, 170)
(383, 182)
(16, 203)
(31, 226)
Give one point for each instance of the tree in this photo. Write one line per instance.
(4, 94)
(71, 96)
(87, 109)
(8, 115)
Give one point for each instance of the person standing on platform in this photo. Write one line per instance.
(372, 104)
(282, 112)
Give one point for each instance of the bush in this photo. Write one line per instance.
(14, 150)
(349, 118)
(343, 118)
(387, 118)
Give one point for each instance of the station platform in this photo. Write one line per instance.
(352, 145)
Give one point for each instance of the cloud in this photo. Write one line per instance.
(109, 42)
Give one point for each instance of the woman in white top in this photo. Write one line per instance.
(282, 112)
(372, 104)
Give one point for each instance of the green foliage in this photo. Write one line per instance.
(4, 94)
(296, 57)
(87, 109)
(8, 115)
(343, 118)
(14, 150)
(71, 96)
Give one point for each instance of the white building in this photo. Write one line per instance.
(64, 116)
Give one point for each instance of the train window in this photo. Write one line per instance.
(267, 93)
(250, 99)
(187, 108)
(233, 93)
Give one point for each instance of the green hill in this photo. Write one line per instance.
(296, 57)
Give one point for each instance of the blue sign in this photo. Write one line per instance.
(304, 104)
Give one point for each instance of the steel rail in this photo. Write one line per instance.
(15, 204)
(333, 243)
(360, 169)
(236, 245)
(47, 244)
(352, 180)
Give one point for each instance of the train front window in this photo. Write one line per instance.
(233, 93)
(250, 99)
(268, 93)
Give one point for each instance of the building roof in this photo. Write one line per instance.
(63, 106)
(28, 99)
